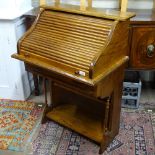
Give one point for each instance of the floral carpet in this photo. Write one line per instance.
(18, 122)
(136, 137)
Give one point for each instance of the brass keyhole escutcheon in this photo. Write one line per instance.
(150, 50)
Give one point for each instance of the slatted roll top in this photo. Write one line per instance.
(66, 41)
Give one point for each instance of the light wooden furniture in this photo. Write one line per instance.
(57, 3)
(81, 54)
(124, 4)
(84, 3)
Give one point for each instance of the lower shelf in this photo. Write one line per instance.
(75, 118)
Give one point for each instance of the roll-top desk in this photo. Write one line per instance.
(95, 105)
(83, 54)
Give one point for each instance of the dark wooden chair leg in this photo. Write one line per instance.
(153, 86)
(44, 118)
(45, 90)
(51, 94)
(36, 84)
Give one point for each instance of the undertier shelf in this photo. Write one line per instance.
(79, 120)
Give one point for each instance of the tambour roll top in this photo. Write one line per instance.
(80, 46)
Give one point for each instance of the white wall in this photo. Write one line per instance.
(138, 4)
(11, 9)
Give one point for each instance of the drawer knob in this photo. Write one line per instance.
(150, 50)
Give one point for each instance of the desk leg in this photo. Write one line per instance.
(113, 113)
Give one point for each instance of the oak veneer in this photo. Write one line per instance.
(83, 55)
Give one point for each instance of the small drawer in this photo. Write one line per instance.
(142, 54)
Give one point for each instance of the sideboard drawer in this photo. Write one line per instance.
(142, 53)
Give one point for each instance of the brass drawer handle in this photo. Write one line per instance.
(150, 50)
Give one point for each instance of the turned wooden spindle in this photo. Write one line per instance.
(83, 4)
(42, 2)
(154, 4)
(123, 4)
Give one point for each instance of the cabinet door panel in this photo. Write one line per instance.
(142, 54)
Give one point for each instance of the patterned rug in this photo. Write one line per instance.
(136, 137)
(18, 122)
